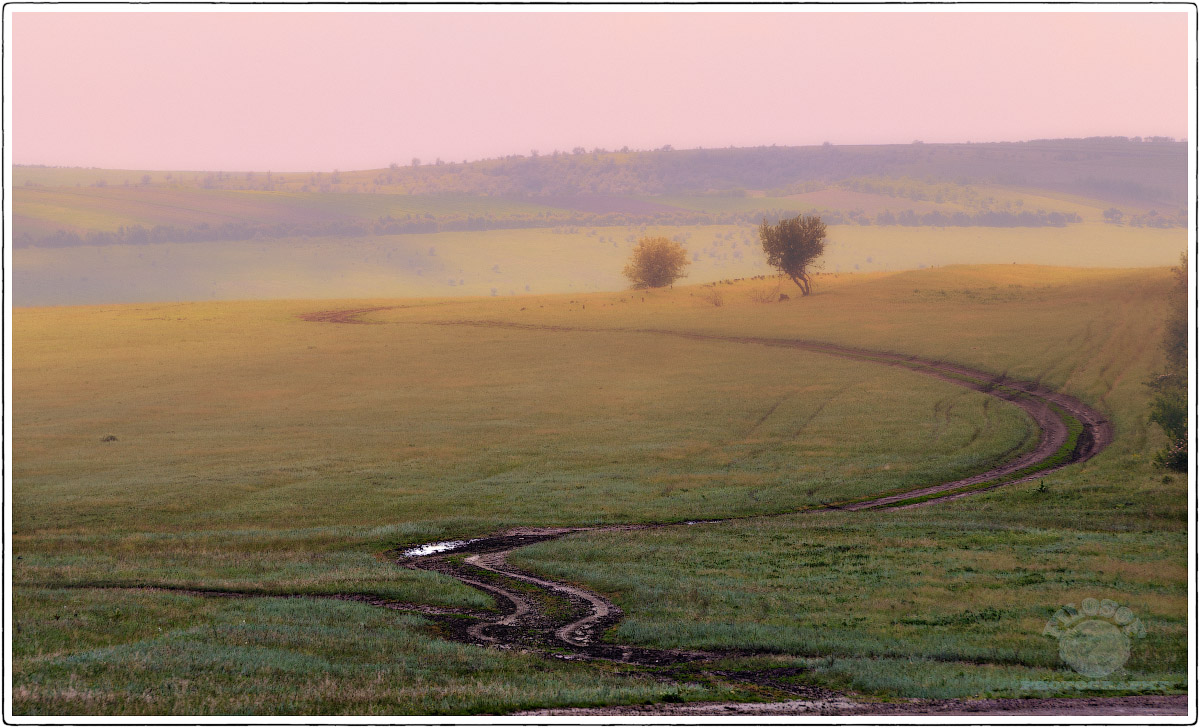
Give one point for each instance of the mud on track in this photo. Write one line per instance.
(565, 621)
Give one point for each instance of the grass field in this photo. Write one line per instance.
(259, 452)
(966, 582)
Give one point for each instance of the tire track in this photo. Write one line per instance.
(567, 621)
(530, 623)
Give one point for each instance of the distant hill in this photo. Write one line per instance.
(1116, 170)
(990, 185)
(1109, 168)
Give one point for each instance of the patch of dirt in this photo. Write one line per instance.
(1120, 706)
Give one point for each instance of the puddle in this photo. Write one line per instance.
(437, 547)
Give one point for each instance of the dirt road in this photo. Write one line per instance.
(565, 621)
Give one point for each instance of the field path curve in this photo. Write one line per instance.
(567, 621)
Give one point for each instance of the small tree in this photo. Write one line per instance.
(656, 262)
(793, 247)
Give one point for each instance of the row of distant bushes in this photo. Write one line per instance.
(986, 218)
(234, 231)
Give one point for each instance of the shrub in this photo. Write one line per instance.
(1169, 409)
(656, 262)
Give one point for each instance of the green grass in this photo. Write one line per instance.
(1057, 459)
(259, 452)
(571, 428)
(971, 581)
(896, 585)
(107, 653)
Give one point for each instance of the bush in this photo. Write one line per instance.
(1169, 409)
(656, 262)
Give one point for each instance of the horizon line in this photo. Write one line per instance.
(534, 154)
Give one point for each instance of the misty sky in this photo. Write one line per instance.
(294, 91)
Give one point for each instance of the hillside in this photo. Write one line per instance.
(1114, 169)
(210, 498)
(567, 222)
(55, 206)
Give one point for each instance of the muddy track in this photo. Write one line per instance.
(1045, 406)
(567, 621)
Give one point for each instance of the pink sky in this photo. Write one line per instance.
(350, 90)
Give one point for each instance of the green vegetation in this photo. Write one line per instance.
(1169, 410)
(945, 589)
(968, 584)
(105, 652)
(235, 446)
(1060, 456)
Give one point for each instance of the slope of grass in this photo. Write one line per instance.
(260, 452)
(246, 416)
(969, 581)
(105, 653)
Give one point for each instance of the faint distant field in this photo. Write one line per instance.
(606, 203)
(840, 198)
(722, 203)
(831, 198)
(540, 260)
(41, 210)
(869, 203)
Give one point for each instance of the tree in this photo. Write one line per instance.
(1169, 409)
(793, 246)
(656, 262)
